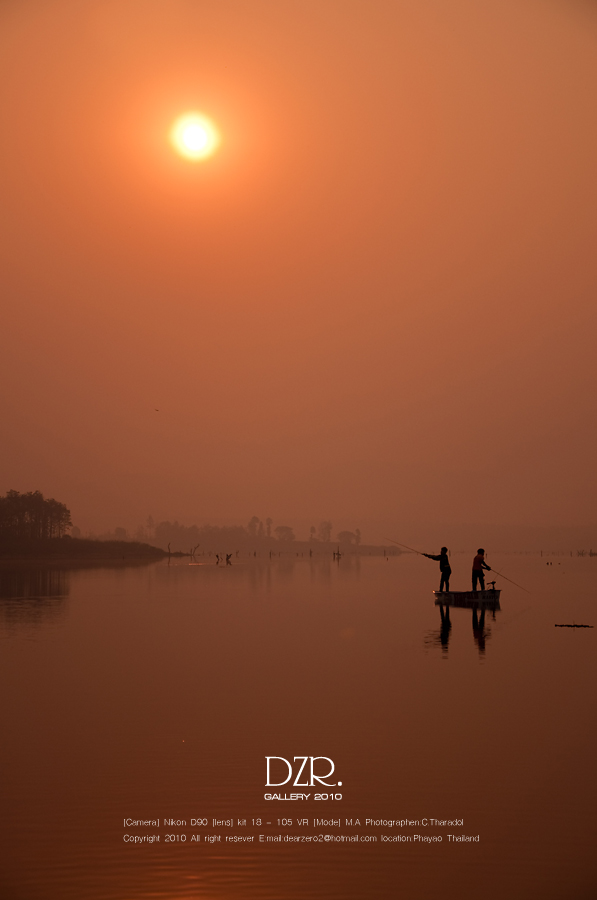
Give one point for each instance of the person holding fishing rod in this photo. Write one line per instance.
(479, 569)
(444, 567)
(479, 565)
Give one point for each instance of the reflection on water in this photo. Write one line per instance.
(33, 596)
(19, 583)
(258, 571)
(164, 688)
(481, 630)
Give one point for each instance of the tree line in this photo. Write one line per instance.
(213, 537)
(31, 517)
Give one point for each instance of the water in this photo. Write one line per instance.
(157, 692)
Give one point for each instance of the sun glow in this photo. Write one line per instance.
(194, 136)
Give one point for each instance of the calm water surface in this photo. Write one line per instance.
(156, 692)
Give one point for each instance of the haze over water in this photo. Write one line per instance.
(371, 304)
(153, 692)
(375, 302)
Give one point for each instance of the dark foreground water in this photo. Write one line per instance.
(156, 693)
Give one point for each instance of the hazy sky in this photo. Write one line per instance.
(376, 301)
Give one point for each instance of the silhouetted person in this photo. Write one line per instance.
(479, 630)
(444, 567)
(229, 559)
(444, 634)
(479, 569)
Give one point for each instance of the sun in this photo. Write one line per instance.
(194, 136)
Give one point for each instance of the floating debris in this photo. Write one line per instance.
(574, 626)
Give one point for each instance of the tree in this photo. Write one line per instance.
(325, 531)
(347, 537)
(210, 537)
(357, 533)
(268, 527)
(31, 517)
(252, 526)
(284, 533)
(180, 536)
(312, 532)
(58, 518)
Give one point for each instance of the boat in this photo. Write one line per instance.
(488, 599)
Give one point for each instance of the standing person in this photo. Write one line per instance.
(479, 569)
(444, 567)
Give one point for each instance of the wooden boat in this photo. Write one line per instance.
(488, 599)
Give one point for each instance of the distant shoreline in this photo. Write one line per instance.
(78, 550)
(75, 562)
(83, 551)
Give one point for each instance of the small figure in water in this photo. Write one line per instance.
(217, 559)
(229, 559)
(444, 567)
(479, 569)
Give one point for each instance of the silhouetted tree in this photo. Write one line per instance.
(357, 533)
(312, 532)
(347, 537)
(284, 533)
(268, 527)
(31, 517)
(325, 531)
(178, 535)
(252, 526)
(210, 537)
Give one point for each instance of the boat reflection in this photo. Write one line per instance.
(479, 602)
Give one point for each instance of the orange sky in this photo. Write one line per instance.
(375, 302)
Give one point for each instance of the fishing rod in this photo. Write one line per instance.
(412, 550)
(510, 580)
